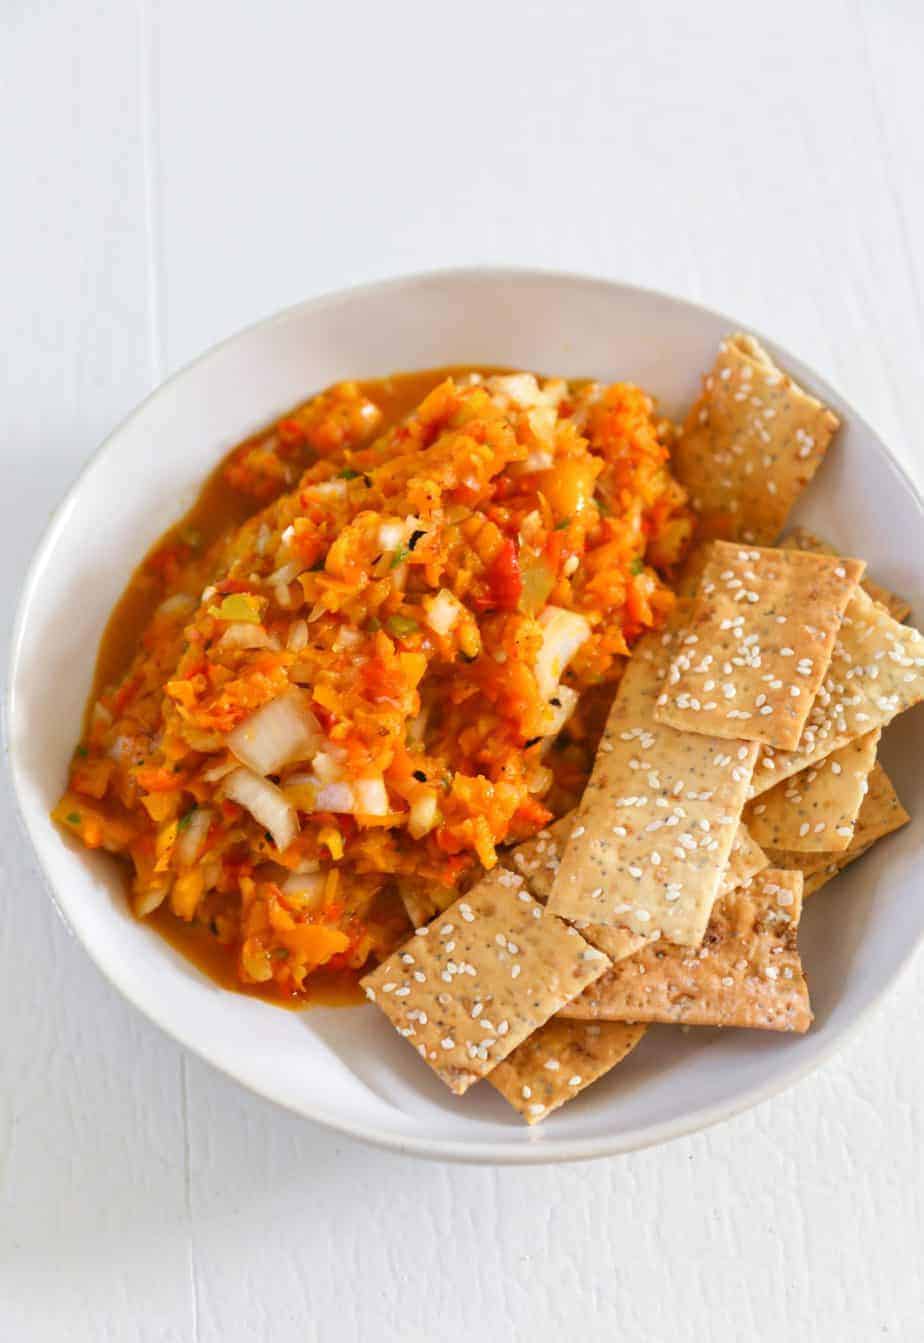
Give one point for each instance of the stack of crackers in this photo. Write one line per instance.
(737, 774)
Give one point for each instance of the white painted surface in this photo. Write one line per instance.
(174, 171)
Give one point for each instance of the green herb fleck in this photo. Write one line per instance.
(348, 474)
(399, 556)
(73, 818)
(82, 752)
(185, 820)
(636, 566)
(401, 625)
(279, 953)
(560, 526)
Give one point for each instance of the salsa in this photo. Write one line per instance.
(374, 652)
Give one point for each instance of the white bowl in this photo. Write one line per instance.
(346, 1067)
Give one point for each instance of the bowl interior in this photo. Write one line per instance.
(347, 1067)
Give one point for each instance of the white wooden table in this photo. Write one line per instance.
(177, 168)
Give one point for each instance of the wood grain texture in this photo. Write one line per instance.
(174, 171)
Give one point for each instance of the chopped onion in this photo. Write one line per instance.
(193, 836)
(371, 797)
(178, 604)
(559, 710)
(266, 804)
(286, 574)
(442, 612)
(216, 772)
(563, 632)
(282, 731)
(391, 534)
(334, 797)
(521, 389)
(423, 814)
(417, 726)
(241, 635)
(327, 767)
(330, 489)
(298, 636)
(347, 637)
(306, 887)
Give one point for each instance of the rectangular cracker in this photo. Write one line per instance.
(876, 673)
(537, 860)
(759, 641)
(487, 972)
(745, 860)
(559, 1060)
(816, 809)
(750, 444)
(800, 538)
(880, 814)
(747, 972)
(657, 820)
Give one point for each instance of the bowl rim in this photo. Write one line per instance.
(550, 1149)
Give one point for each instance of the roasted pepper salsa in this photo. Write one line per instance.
(378, 648)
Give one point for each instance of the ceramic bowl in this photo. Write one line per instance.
(346, 1067)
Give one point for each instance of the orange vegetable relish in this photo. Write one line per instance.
(356, 694)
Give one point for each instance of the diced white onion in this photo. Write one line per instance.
(563, 632)
(417, 727)
(193, 836)
(330, 489)
(327, 767)
(521, 389)
(282, 731)
(371, 797)
(245, 635)
(347, 637)
(538, 460)
(558, 713)
(298, 636)
(266, 804)
(334, 797)
(216, 772)
(287, 573)
(178, 604)
(423, 814)
(307, 887)
(442, 612)
(391, 534)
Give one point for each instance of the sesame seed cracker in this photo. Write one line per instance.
(436, 1016)
(744, 471)
(817, 808)
(776, 643)
(747, 972)
(582, 1054)
(674, 896)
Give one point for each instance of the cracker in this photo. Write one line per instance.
(816, 809)
(835, 865)
(876, 673)
(751, 443)
(538, 859)
(759, 641)
(747, 972)
(880, 814)
(745, 860)
(658, 817)
(487, 972)
(559, 1060)
(802, 539)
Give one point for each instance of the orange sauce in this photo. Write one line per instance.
(218, 509)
